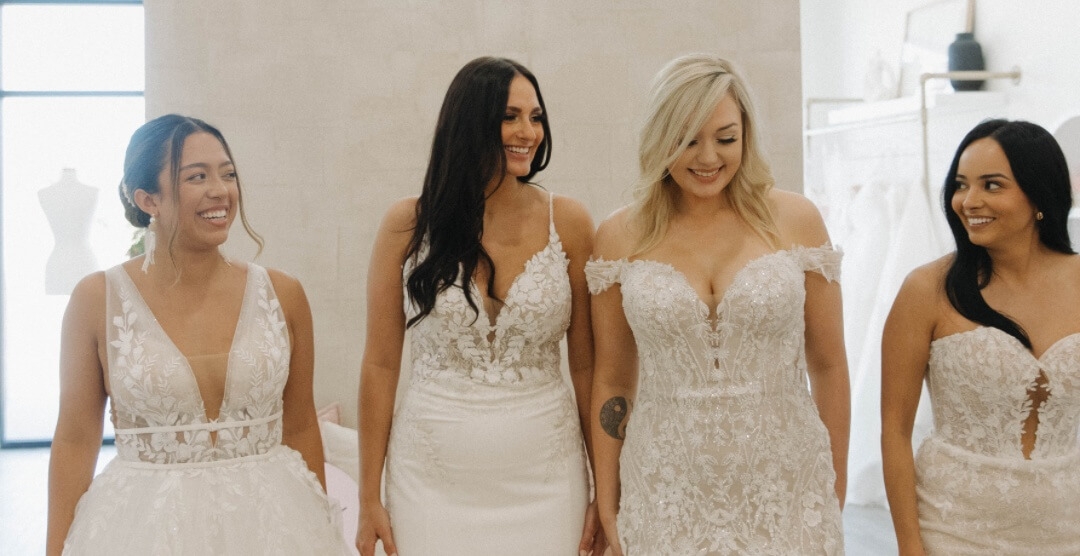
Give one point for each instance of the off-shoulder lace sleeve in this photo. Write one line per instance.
(602, 274)
(824, 260)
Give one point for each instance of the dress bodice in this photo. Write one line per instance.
(724, 450)
(981, 384)
(157, 409)
(753, 347)
(455, 343)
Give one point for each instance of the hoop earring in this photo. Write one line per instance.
(1039, 215)
(149, 243)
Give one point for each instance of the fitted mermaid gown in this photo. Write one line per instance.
(724, 450)
(486, 453)
(977, 492)
(175, 489)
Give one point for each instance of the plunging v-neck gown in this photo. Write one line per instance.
(486, 453)
(977, 493)
(185, 485)
(724, 450)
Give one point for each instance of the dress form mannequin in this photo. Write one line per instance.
(69, 207)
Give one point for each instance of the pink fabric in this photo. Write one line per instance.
(341, 488)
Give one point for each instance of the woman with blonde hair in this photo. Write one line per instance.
(715, 299)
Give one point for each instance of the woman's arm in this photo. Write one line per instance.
(905, 351)
(826, 358)
(299, 421)
(77, 440)
(614, 380)
(575, 228)
(380, 368)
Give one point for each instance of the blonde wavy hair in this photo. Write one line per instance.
(682, 97)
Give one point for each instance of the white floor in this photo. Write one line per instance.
(23, 494)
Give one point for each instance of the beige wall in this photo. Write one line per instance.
(329, 108)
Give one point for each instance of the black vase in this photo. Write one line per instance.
(965, 54)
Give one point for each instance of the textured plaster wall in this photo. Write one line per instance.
(329, 108)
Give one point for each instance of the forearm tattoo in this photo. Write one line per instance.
(613, 417)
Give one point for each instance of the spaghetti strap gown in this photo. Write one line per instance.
(977, 492)
(181, 484)
(486, 453)
(724, 452)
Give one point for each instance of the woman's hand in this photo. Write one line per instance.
(612, 532)
(374, 526)
(593, 541)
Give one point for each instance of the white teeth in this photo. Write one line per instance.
(705, 174)
(211, 214)
(518, 150)
(975, 221)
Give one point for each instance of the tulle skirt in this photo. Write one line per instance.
(974, 504)
(268, 504)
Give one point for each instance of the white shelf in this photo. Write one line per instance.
(906, 108)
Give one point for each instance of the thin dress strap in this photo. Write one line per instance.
(551, 217)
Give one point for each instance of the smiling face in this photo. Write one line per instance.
(522, 127)
(714, 154)
(203, 205)
(988, 200)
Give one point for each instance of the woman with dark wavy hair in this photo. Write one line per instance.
(485, 454)
(994, 330)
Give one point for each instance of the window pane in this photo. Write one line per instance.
(72, 48)
(62, 218)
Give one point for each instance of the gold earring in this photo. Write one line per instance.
(1039, 215)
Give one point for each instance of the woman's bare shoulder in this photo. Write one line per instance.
(798, 219)
(615, 235)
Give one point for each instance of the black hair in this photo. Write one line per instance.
(466, 156)
(1042, 174)
(159, 144)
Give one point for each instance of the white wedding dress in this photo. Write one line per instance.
(173, 487)
(724, 450)
(977, 493)
(486, 453)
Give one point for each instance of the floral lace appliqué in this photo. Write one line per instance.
(724, 451)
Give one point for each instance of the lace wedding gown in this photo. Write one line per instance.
(977, 493)
(486, 453)
(173, 487)
(724, 450)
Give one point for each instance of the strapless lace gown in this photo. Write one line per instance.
(724, 450)
(486, 453)
(977, 493)
(171, 488)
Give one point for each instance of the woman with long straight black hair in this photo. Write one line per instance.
(994, 330)
(485, 454)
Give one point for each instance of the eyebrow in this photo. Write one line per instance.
(203, 165)
(986, 176)
(517, 110)
(727, 127)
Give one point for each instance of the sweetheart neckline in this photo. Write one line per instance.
(1038, 358)
(724, 296)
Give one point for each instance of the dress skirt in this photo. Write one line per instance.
(486, 469)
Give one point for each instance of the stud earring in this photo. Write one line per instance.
(149, 242)
(1039, 215)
